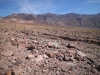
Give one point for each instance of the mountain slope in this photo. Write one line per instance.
(71, 19)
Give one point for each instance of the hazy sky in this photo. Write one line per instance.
(53, 6)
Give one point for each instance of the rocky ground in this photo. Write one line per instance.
(41, 50)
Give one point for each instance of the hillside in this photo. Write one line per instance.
(71, 19)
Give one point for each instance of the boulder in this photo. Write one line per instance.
(72, 51)
(50, 44)
(45, 56)
(53, 44)
(30, 56)
(66, 58)
(71, 45)
(71, 66)
(56, 45)
(81, 54)
(9, 72)
(51, 54)
(7, 53)
(12, 38)
(17, 70)
(39, 58)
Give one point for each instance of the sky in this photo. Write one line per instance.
(8, 7)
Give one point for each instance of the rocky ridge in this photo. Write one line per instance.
(70, 19)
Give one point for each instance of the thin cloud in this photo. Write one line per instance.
(36, 7)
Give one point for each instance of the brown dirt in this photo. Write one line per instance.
(48, 50)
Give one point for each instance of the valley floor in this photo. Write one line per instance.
(48, 50)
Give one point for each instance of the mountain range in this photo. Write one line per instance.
(70, 19)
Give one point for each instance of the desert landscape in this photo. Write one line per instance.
(41, 49)
(49, 37)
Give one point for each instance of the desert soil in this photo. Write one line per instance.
(48, 50)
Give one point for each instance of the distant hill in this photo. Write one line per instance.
(70, 19)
